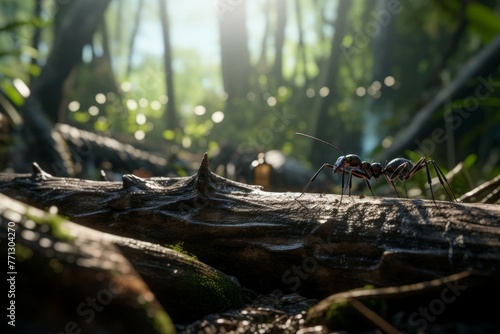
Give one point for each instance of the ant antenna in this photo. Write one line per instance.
(324, 142)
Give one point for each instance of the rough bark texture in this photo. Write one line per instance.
(186, 288)
(276, 241)
(69, 278)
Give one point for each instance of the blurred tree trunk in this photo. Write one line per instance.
(378, 108)
(262, 63)
(106, 54)
(36, 33)
(281, 17)
(75, 24)
(135, 30)
(321, 117)
(118, 36)
(301, 57)
(170, 112)
(73, 32)
(235, 58)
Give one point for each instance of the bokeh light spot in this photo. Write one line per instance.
(361, 91)
(100, 98)
(74, 106)
(217, 116)
(139, 135)
(93, 110)
(200, 110)
(389, 81)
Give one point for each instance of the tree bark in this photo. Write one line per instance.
(312, 244)
(36, 34)
(320, 115)
(170, 112)
(279, 40)
(41, 110)
(76, 29)
(186, 288)
(235, 58)
(135, 30)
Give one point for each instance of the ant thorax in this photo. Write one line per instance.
(350, 160)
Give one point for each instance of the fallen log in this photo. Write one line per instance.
(276, 241)
(65, 278)
(81, 260)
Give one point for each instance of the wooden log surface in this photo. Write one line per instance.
(186, 288)
(68, 278)
(280, 241)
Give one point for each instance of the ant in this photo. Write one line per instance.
(400, 168)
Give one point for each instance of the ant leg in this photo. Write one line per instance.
(350, 182)
(421, 163)
(425, 163)
(429, 181)
(314, 177)
(363, 175)
(342, 188)
(391, 182)
(369, 187)
(399, 170)
(442, 177)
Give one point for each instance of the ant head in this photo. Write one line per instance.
(339, 164)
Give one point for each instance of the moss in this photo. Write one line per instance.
(340, 313)
(54, 222)
(179, 248)
(218, 290)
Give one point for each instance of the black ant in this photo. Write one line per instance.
(400, 168)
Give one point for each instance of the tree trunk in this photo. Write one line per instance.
(310, 244)
(279, 39)
(76, 30)
(135, 30)
(170, 112)
(301, 55)
(73, 30)
(262, 62)
(320, 116)
(235, 58)
(36, 34)
(378, 109)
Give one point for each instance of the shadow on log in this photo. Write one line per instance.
(270, 241)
